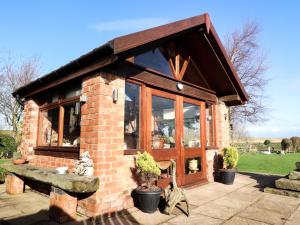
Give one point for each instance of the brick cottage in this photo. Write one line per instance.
(165, 90)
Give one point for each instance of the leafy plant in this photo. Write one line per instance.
(231, 157)
(267, 142)
(17, 155)
(8, 145)
(147, 169)
(286, 143)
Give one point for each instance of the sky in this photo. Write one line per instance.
(59, 31)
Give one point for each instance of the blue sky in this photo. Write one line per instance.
(58, 31)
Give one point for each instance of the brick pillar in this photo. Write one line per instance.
(62, 206)
(29, 130)
(222, 125)
(14, 184)
(102, 134)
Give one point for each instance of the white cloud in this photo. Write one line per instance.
(129, 24)
(274, 130)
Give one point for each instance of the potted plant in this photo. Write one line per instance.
(230, 158)
(18, 159)
(147, 194)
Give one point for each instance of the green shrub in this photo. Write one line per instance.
(147, 168)
(267, 142)
(231, 157)
(8, 145)
(295, 143)
(286, 143)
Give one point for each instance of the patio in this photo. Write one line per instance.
(214, 203)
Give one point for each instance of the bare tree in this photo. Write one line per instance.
(250, 63)
(13, 75)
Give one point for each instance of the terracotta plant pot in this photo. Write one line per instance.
(19, 161)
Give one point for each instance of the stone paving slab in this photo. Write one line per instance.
(243, 221)
(215, 203)
(263, 215)
(194, 219)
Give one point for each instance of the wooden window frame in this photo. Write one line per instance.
(142, 124)
(60, 105)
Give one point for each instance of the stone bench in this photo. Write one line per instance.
(64, 187)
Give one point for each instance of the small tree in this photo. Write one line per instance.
(267, 142)
(147, 169)
(295, 143)
(14, 74)
(285, 144)
(230, 157)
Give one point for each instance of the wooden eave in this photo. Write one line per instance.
(125, 46)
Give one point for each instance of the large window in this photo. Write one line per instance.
(163, 123)
(191, 119)
(155, 59)
(59, 124)
(132, 116)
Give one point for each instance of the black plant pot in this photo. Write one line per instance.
(227, 176)
(148, 200)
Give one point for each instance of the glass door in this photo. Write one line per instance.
(193, 141)
(175, 131)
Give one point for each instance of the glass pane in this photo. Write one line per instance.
(156, 60)
(49, 135)
(191, 114)
(193, 165)
(132, 116)
(163, 123)
(71, 134)
(209, 126)
(73, 91)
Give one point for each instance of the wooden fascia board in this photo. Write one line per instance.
(137, 39)
(88, 69)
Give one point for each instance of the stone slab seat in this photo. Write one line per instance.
(67, 182)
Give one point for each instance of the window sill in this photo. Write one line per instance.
(212, 148)
(132, 151)
(57, 149)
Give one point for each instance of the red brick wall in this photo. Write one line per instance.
(102, 135)
(29, 130)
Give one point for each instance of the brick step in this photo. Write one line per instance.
(287, 184)
(295, 194)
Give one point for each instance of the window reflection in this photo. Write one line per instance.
(71, 132)
(132, 116)
(154, 59)
(191, 115)
(50, 127)
(163, 123)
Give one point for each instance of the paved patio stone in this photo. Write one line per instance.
(150, 219)
(214, 203)
(194, 219)
(263, 215)
(243, 221)
(285, 207)
(9, 211)
(216, 211)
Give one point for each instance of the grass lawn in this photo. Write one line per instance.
(271, 164)
(2, 161)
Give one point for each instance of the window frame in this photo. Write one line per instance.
(142, 125)
(60, 105)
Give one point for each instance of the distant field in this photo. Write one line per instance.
(271, 164)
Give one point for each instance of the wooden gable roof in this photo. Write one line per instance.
(198, 31)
